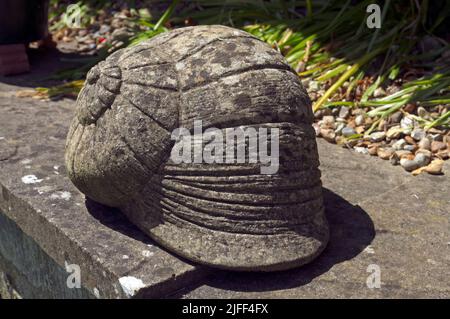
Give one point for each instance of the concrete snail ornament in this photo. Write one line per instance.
(226, 215)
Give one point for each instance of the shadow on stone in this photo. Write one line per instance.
(351, 231)
(116, 220)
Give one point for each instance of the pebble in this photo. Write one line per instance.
(305, 83)
(360, 129)
(84, 39)
(359, 120)
(117, 44)
(385, 153)
(425, 143)
(348, 131)
(418, 134)
(340, 140)
(339, 127)
(318, 114)
(399, 144)
(434, 130)
(313, 85)
(361, 150)
(351, 143)
(104, 28)
(351, 123)
(335, 111)
(379, 92)
(422, 159)
(409, 140)
(437, 146)
(382, 125)
(326, 111)
(410, 147)
(435, 167)
(443, 154)
(408, 165)
(435, 137)
(394, 159)
(406, 122)
(403, 153)
(422, 112)
(409, 108)
(396, 117)
(391, 89)
(434, 115)
(344, 112)
(83, 47)
(394, 132)
(328, 134)
(377, 136)
(373, 149)
(121, 34)
(407, 131)
(328, 121)
(426, 152)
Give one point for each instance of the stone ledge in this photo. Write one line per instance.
(379, 215)
(116, 259)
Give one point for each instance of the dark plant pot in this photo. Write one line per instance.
(23, 21)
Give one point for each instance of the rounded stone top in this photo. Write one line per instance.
(227, 215)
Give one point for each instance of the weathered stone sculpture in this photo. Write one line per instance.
(225, 215)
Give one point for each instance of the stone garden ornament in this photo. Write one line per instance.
(228, 214)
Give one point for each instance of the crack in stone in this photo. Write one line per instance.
(266, 66)
(147, 114)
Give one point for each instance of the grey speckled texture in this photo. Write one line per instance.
(227, 216)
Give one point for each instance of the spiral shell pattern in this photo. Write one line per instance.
(225, 215)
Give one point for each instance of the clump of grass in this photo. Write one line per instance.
(329, 42)
(62, 90)
(156, 28)
(69, 89)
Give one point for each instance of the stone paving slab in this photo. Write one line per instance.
(115, 258)
(379, 215)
